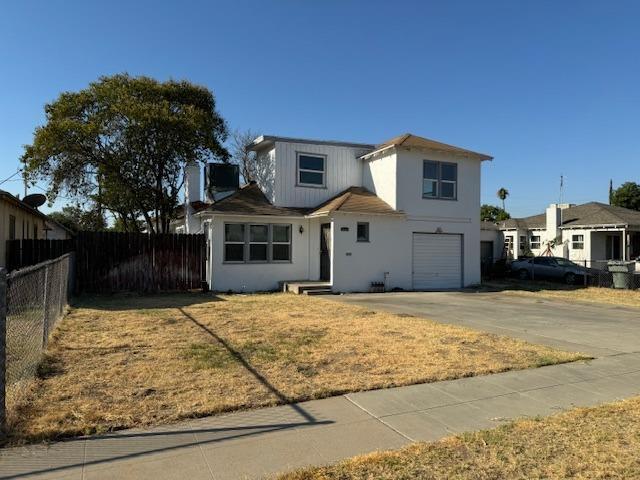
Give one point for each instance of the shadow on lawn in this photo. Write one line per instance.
(115, 445)
(134, 301)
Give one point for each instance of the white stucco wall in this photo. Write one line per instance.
(249, 277)
(356, 264)
(460, 216)
(379, 177)
(497, 238)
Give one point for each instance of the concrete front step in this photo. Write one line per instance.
(317, 291)
(307, 287)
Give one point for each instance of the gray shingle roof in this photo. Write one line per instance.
(249, 200)
(590, 214)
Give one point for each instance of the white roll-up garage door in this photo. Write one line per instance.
(437, 261)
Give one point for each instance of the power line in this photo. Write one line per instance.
(11, 176)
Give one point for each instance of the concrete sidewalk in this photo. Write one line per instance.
(256, 443)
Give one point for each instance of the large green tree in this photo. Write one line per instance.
(626, 195)
(77, 219)
(123, 143)
(491, 213)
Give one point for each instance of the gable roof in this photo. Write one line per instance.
(592, 214)
(409, 140)
(15, 201)
(250, 200)
(355, 200)
(264, 141)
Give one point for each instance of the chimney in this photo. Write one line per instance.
(192, 183)
(554, 218)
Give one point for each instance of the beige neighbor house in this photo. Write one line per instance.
(18, 220)
(591, 233)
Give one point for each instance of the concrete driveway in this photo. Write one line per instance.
(593, 329)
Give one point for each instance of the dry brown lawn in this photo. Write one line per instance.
(118, 362)
(601, 442)
(609, 296)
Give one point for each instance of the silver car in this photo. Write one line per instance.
(549, 268)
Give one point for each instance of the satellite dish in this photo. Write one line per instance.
(35, 200)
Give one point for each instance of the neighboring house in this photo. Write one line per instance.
(56, 231)
(592, 232)
(18, 220)
(404, 213)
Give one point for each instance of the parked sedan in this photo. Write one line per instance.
(549, 268)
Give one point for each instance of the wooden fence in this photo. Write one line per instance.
(23, 253)
(109, 262)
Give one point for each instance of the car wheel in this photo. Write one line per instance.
(523, 274)
(570, 278)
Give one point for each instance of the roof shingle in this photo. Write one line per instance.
(355, 200)
(414, 141)
(588, 214)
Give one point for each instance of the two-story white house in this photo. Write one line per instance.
(404, 213)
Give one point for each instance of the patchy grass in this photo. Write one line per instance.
(608, 296)
(118, 362)
(588, 443)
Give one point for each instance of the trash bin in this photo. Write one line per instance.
(622, 273)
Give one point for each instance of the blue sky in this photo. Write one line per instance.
(546, 87)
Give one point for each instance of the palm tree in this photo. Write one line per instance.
(503, 193)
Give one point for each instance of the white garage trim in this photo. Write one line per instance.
(436, 261)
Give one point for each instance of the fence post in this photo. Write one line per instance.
(585, 272)
(45, 301)
(3, 351)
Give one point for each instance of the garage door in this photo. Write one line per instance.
(437, 261)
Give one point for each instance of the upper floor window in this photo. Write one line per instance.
(312, 169)
(439, 180)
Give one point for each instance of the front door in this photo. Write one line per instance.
(613, 247)
(325, 252)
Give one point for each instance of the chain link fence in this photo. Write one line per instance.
(611, 274)
(36, 298)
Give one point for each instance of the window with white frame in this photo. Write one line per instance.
(312, 169)
(257, 243)
(535, 242)
(280, 243)
(439, 180)
(577, 242)
(234, 240)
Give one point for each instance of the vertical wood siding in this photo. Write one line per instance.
(343, 170)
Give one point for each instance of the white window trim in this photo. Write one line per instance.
(439, 182)
(273, 242)
(247, 243)
(225, 243)
(300, 170)
(250, 242)
(535, 244)
(575, 242)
